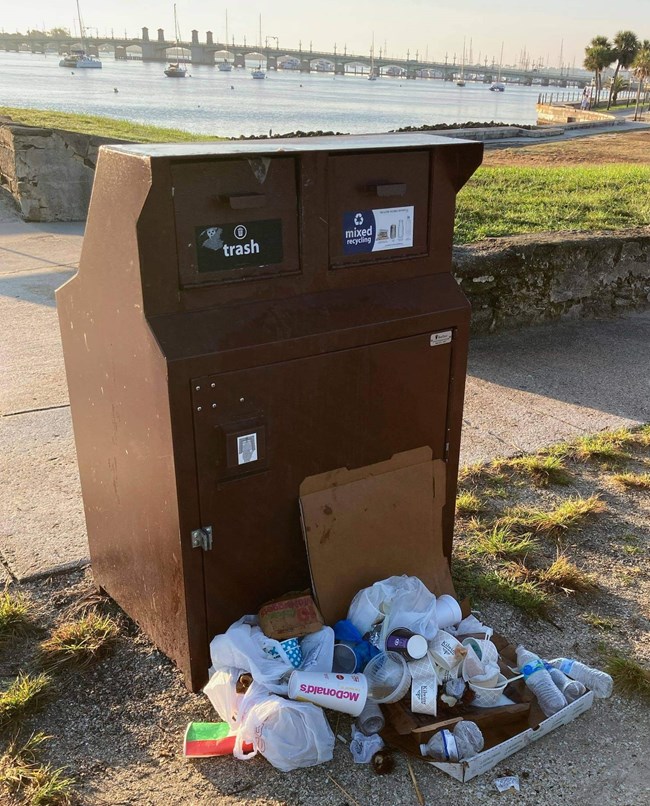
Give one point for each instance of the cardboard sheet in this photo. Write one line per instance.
(370, 523)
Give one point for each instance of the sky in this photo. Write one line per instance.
(431, 27)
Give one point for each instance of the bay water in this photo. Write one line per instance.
(233, 104)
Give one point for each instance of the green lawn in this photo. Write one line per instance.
(497, 201)
(500, 201)
(100, 126)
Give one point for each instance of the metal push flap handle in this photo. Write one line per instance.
(395, 189)
(246, 201)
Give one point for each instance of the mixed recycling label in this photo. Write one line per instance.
(377, 230)
(221, 247)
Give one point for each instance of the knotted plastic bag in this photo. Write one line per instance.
(288, 734)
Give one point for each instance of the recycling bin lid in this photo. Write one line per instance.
(289, 145)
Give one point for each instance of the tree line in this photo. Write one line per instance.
(629, 52)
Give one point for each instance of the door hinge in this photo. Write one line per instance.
(202, 538)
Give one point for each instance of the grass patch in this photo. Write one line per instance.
(630, 678)
(37, 784)
(642, 436)
(507, 200)
(101, 126)
(600, 622)
(80, 641)
(607, 446)
(635, 481)
(14, 615)
(472, 474)
(23, 695)
(564, 574)
(468, 503)
(500, 542)
(567, 515)
(542, 470)
(500, 585)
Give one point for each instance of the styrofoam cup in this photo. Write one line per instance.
(448, 611)
(388, 677)
(340, 692)
(488, 697)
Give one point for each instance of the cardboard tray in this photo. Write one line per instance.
(506, 729)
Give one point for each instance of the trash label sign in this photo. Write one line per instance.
(221, 247)
(377, 230)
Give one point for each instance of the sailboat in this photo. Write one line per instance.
(373, 74)
(258, 72)
(461, 80)
(79, 58)
(176, 69)
(225, 66)
(498, 85)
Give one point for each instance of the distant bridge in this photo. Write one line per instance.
(209, 52)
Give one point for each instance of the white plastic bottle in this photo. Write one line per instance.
(594, 679)
(466, 741)
(539, 681)
(572, 689)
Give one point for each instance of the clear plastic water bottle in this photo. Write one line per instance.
(571, 689)
(539, 681)
(594, 679)
(466, 741)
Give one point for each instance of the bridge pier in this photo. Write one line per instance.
(201, 55)
(339, 69)
(120, 53)
(240, 60)
(305, 66)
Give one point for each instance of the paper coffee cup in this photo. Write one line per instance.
(446, 651)
(424, 687)
(340, 692)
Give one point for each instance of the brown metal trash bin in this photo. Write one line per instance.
(246, 315)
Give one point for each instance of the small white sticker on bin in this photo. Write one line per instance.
(440, 338)
(246, 449)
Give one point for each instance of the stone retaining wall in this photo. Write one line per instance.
(48, 171)
(556, 113)
(512, 282)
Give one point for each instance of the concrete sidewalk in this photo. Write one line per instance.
(525, 390)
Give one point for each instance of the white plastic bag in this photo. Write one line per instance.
(221, 690)
(470, 625)
(363, 747)
(399, 601)
(288, 734)
(318, 651)
(244, 646)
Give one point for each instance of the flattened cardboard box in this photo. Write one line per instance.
(366, 524)
(373, 522)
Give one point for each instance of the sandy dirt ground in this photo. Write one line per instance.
(624, 147)
(117, 726)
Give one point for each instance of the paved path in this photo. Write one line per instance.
(525, 390)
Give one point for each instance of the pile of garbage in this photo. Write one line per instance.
(273, 674)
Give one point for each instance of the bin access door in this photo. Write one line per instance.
(260, 432)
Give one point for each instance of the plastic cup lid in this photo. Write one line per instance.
(417, 646)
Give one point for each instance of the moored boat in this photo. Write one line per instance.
(176, 70)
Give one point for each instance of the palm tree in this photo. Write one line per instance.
(626, 45)
(598, 55)
(616, 85)
(641, 68)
